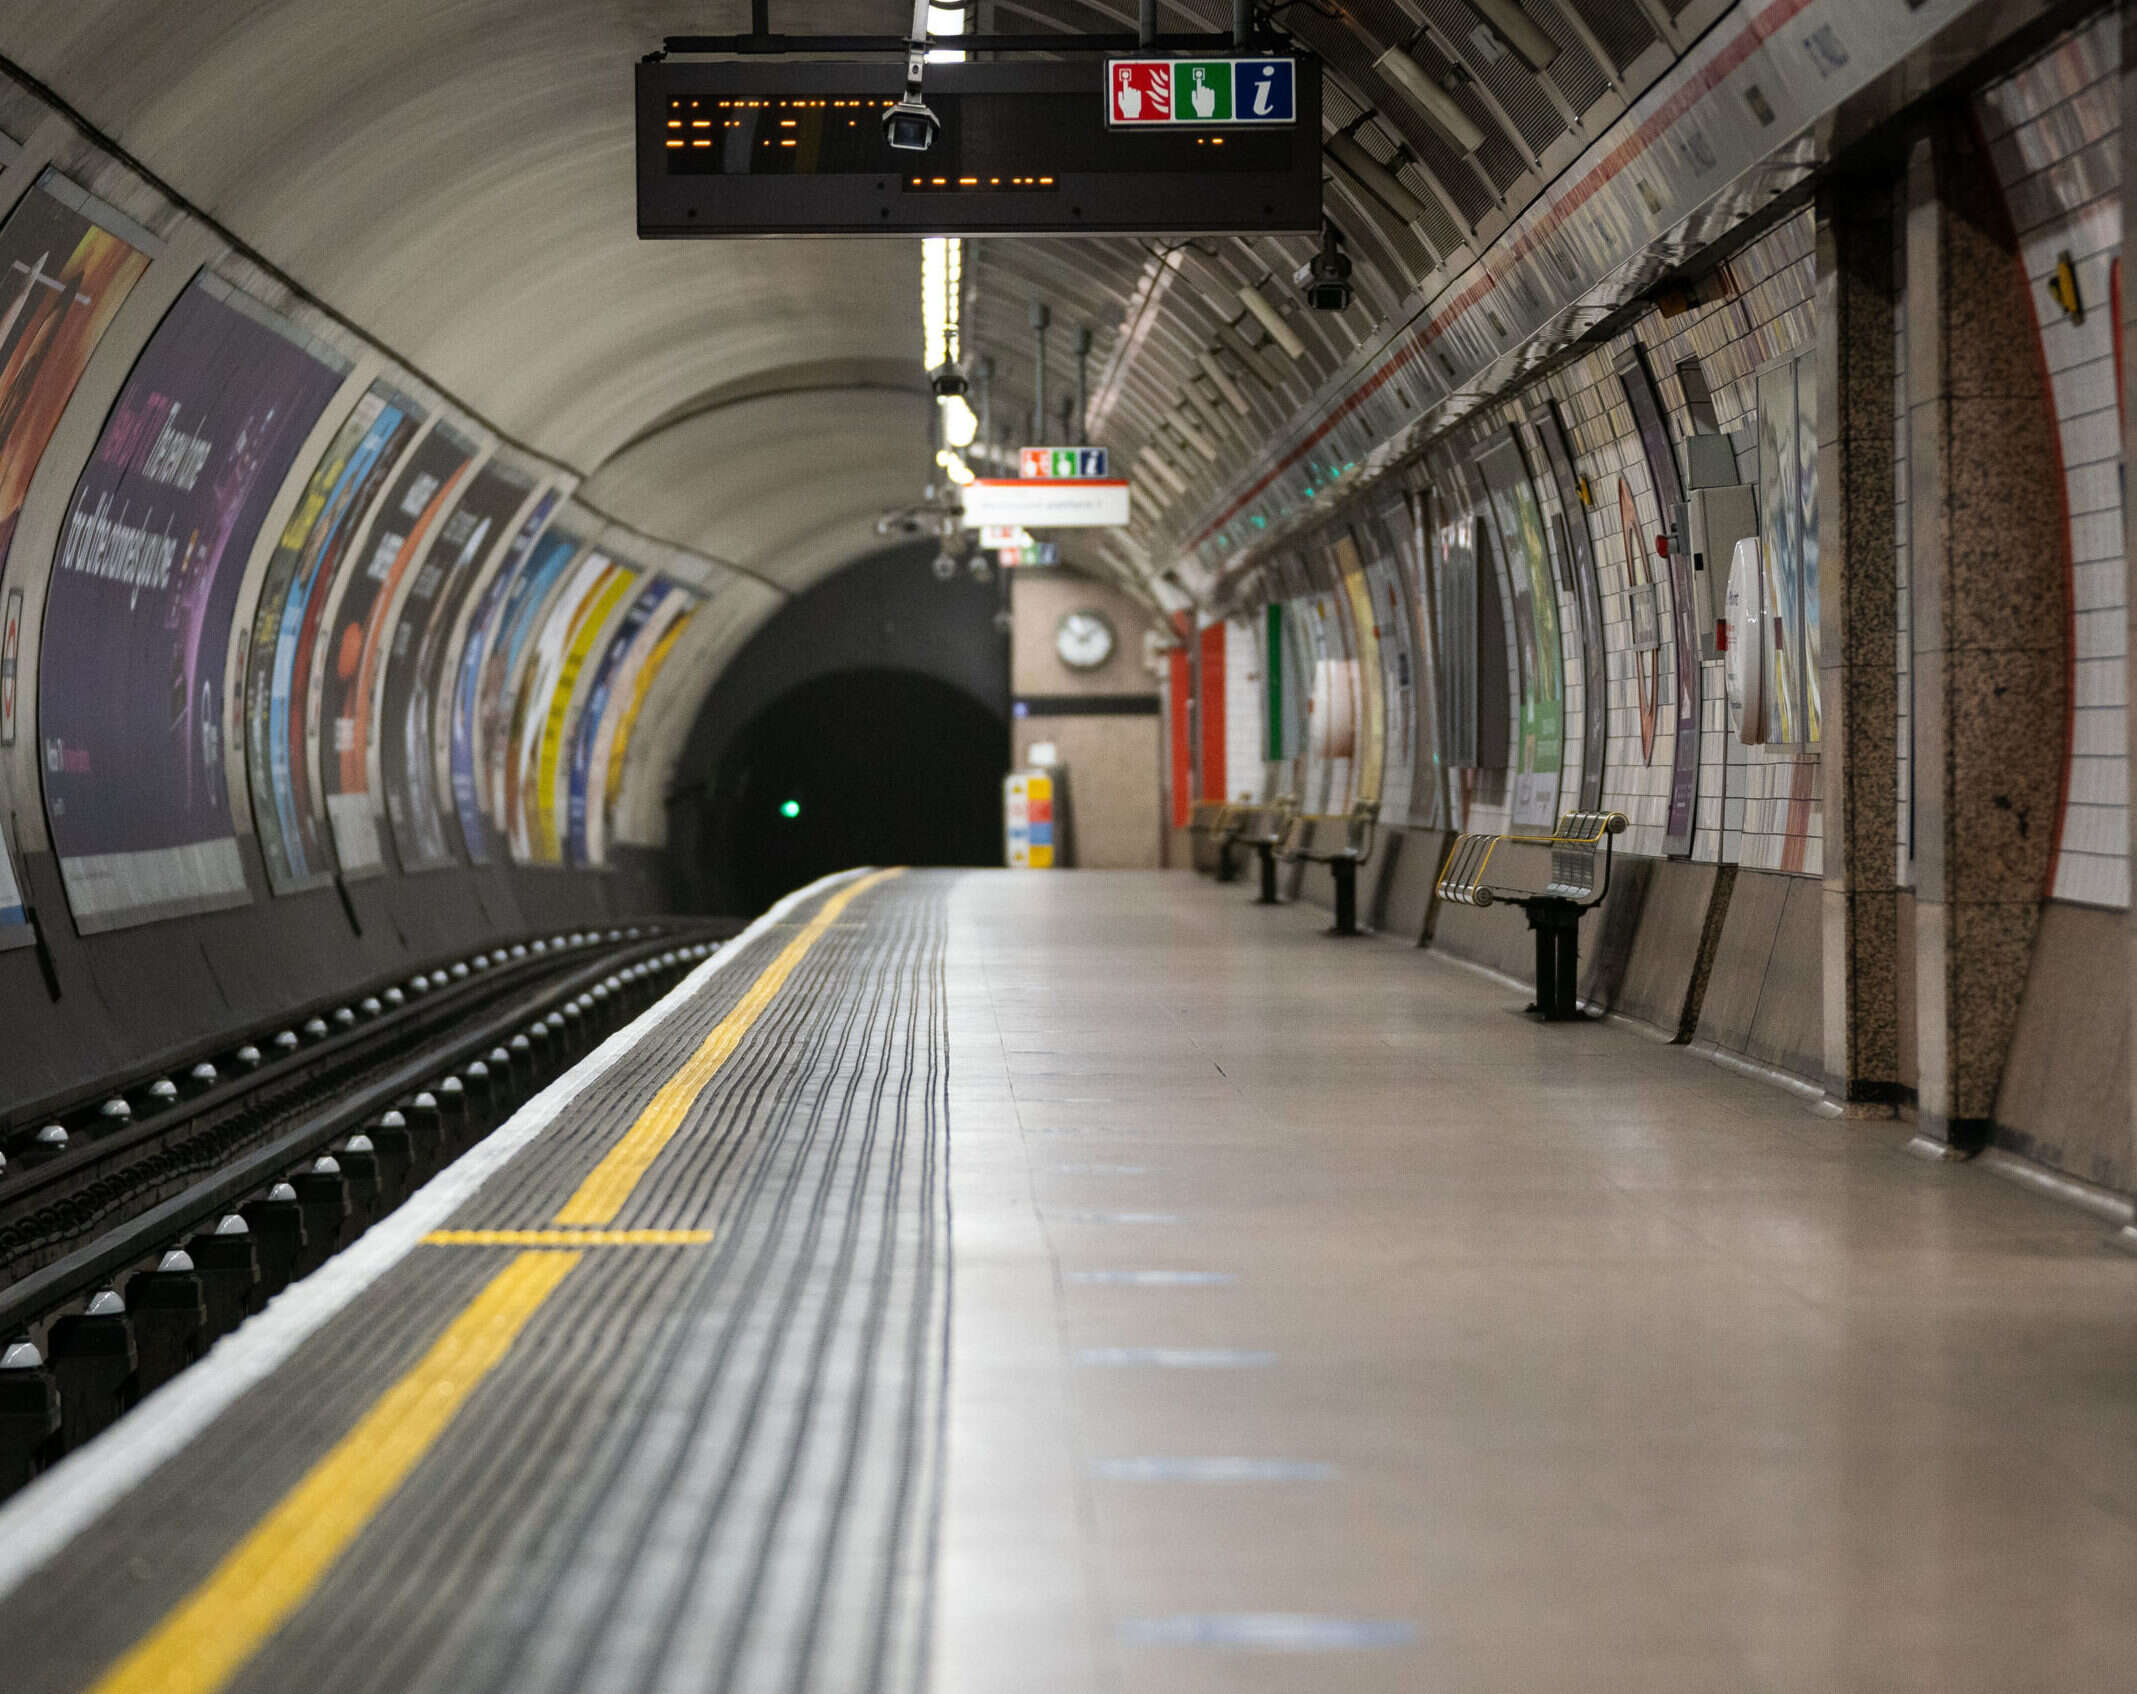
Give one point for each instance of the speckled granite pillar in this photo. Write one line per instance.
(2128, 147)
(1991, 623)
(1859, 622)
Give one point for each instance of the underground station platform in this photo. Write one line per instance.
(971, 1281)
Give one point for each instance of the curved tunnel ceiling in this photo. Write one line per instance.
(456, 179)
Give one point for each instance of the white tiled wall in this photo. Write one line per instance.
(2052, 133)
(1606, 448)
(1575, 694)
(1757, 806)
(1246, 768)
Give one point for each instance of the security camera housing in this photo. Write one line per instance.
(910, 127)
(1325, 277)
(949, 383)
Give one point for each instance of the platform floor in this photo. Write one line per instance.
(1112, 1286)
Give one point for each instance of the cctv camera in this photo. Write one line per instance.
(909, 126)
(945, 566)
(949, 383)
(1326, 276)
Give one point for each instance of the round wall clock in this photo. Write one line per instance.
(1084, 640)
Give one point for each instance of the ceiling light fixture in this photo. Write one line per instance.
(1221, 379)
(1405, 73)
(1272, 320)
(1375, 178)
(1518, 30)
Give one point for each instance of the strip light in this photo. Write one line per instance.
(1375, 178)
(1272, 320)
(1431, 99)
(942, 287)
(1223, 381)
(1518, 30)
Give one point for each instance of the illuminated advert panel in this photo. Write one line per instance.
(740, 147)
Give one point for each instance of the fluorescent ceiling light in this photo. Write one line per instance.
(1162, 467)
(1272, 320)
(1191, 433)
(1193, 396)
(1250, 356)
(1222, 379)
(1518, 30)
(944, 21)
(1375, 178)
(1405, 73)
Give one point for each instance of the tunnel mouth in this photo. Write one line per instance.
(858, 767)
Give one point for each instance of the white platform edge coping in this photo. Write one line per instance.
(62, 1502)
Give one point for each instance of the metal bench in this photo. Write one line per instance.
(1342, 841)
(1204, 821)
(1554, 879)
(1258, 827)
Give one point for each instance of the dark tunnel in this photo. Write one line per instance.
(824, 778)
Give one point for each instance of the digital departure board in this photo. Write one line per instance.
(744, 147)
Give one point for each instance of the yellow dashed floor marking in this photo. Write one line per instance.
(568, 1237)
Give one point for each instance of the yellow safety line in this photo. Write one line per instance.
(568, 1237)
(217, 1629)
(608, 1185)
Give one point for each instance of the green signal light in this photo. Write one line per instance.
(790, 808)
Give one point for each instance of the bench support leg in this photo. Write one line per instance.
(1557, 927)
(1227, 866)
(1268, 874)
(1345, 871)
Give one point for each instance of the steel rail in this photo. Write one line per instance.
(42, 1292)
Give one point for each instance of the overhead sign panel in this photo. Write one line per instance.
(759, 147)
(1086, 503)
(1063, 463)
(1201, 91)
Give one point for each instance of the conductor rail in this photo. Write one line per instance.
(1554, 879)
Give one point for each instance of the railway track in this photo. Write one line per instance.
(140, 1224)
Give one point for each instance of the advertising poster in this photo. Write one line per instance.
(589, 635)
(416, 660)
(476, 836)
(1371, 713)
(1322, 786)
(590, 580)
(351, 661)
(64, 273)
(629, 639)
(1788, 551)
(1397, 669)
(1655, 448)
(619, 746)
(65, 269)
(1540, 736)
(144, 588)
(1579, 553)
(286, 811)
(518, 618)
